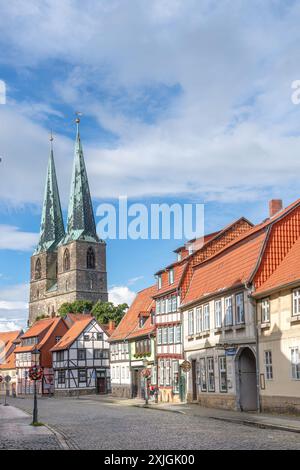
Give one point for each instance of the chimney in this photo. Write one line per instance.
(111, 325)
(275, 205)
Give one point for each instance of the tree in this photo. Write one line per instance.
(78, 306)
(105, 311)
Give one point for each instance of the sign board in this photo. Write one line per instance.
(230, 351)
(7, 379)
(186, 366)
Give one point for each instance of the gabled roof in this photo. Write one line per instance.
(129, 325)
(178, 269)
(45, 327)
(231, 268)
(72, 334)
(288, 272)
(7, 357)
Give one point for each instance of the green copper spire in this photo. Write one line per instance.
(81, 223)
(52, 227)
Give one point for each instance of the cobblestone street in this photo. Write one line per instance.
(93, 424)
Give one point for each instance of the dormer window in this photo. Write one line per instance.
(171, 276)
(159, 281)
(142, 321)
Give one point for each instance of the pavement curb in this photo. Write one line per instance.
(158, 409)
(258, 424)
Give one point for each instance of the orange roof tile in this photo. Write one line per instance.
(73, 333)
(287, 272)
(46, 326)
(129, 325)
(166, 287)
(7, 357)
(38, 327)
(230, 268)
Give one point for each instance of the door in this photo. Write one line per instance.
(135, 381)
(247, 380)
(101, 385)
(194, 380)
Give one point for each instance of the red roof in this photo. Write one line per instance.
(72, 334)
(7, 357)
(228, 269)
(129, 325)
(287, 272)
(40, 328)
(166, 287)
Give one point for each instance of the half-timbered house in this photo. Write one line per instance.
(8, 342)
(81, 359)
(41, 336)
(132, 347)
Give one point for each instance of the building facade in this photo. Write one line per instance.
(81, 360)
(8, 343)
(67, 265)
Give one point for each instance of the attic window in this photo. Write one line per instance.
(142, 321)
(171, 276)
(159, 281)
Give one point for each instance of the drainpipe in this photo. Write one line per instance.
(253, 303)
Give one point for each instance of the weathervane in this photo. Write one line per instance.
(51, 137)
(77, 120)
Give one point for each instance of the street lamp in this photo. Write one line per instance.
(34, 376)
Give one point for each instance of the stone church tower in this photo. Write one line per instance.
(71, 265)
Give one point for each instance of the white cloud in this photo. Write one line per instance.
(8, 325)
(120, 294)
(234, 114)
(14, 307)
(11, 238)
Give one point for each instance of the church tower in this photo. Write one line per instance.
(67, 266)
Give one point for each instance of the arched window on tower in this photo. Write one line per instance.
(66, 260)
(38, 269)
(90, 258)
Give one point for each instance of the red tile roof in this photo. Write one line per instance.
(72, 334)
(166, 287)
(43, 327)
(7, 357)
(228, 269)
(129, 325)
(287, 272)
(38, 327)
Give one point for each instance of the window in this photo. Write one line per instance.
(61, 377)
(38, 269)
(206, 322)
(163, 306)
(222, 374)
(199, 320)
(171, 276)
(191, 322)
(159, 283)
(165, 335)
(154, 375)
(175, 377)
(60, 356)
(218, 313)
(228, 311)
(161, 373)
(152, 317)
(268, 365)
(295, 363)
(81, 354)
(99, 336)
(159, 336)
(265, 310)
(57, 339)
(86, 337)
(82, 375)
(296, 302)
(211, 374)
(203, 378)
(178, 334)
(240, 309)
(158, 306)
(123, 372)
(174, 303)
(66, 261)
(113, 372)
(169, 304)
(98, 354)
(168, 372)
(90, 258)
(142, 321)
(171, 335)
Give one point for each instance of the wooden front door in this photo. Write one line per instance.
(101, 385)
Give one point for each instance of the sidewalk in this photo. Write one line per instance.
(262, 420)
(17, 433)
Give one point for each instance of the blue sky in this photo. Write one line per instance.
(182, 101)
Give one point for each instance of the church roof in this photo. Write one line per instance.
(52, 226)
(81, 223)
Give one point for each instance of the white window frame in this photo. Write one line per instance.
(206, 317)
(178, 334)
(159, 336)
(240, 308)
(295, 363)
(268, 364)
(171, 335)
(265, 310)
(158, 307)
(228, 309)
(218, 313)
(161, 373)
(296, 302)
(211, 386)
(174, 303)
(190, 322)
(203, 374)
(171, 276)
(168, 372)
(222, 373)
(165, 335)
(199, 320)
(159, 281)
